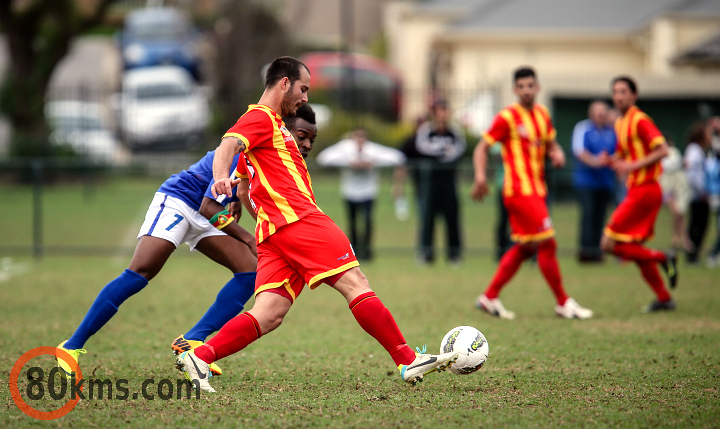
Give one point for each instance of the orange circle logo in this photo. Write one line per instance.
(15, 375)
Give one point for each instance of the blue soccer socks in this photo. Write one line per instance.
(229, 303)
(106, 305)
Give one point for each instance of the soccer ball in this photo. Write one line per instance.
(472, 346)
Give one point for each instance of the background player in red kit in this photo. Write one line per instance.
(527, 136)
(640, 147)
(297, 242)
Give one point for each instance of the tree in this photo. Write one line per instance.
(248, 36)
(38, 34)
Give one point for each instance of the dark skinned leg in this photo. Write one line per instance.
(150, 256)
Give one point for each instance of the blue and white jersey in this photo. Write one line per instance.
(193, 184)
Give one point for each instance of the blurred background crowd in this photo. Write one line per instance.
(96, 88)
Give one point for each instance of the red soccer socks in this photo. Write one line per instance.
(377, 321)
(651, 274)
(237, 334)
(509, 265)
(547, 261)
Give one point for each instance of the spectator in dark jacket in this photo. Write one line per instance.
(432, 155)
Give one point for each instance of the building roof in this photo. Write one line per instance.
(706, 53)
(616, 16)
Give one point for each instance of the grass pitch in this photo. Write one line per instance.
(619, 369)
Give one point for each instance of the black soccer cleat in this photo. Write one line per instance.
(660, 306)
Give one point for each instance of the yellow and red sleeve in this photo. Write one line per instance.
(498, 130)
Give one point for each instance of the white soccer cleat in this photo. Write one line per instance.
(425, 364)
(195, 369)
(494, 307)
(572, 310)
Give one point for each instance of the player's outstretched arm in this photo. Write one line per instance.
(209, 208)
(480, 156)
(224, 154)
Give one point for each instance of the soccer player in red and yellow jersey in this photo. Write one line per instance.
(297, 242)
(526, 133)
(640, 147)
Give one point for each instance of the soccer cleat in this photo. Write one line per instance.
(670, 268)
(75, 354)
(659, 306)
(425, 364)
(572, 310)
(195, 369)
(493, 307)
(182, 345)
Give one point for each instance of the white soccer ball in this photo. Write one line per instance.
(470, 344)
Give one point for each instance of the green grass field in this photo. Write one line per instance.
(620, 369)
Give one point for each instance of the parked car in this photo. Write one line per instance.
(161, 108)
(358, 83)
(159, 36)
(82, 127)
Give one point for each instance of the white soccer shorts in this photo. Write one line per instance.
(173, 220)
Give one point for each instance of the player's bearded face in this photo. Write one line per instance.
(290, 102)
(296, 94)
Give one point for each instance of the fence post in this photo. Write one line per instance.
(37, 169)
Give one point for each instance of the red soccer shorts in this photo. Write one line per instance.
(529, 218)
(634, 219)
(309, 250)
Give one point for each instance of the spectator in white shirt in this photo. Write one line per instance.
(359, 160)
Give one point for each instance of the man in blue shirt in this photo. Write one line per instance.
(593, 139)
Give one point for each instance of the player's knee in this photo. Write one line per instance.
(361, 281)
(272, 322)
(147, 272)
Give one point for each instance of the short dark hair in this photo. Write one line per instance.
(303, 112)
(628, 80)
(524, 72)
(281, 67)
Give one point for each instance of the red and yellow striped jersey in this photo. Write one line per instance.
(280, 185)
(637, 136)
(524, 136)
